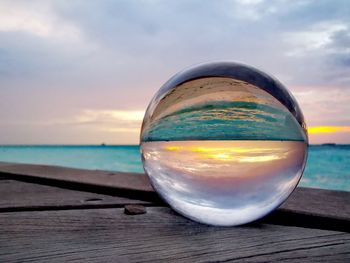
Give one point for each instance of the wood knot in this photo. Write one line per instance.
(134, 210)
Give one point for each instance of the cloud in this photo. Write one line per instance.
(126, 36)
(96, 119)
(324, 106)
(110, 116)
(316, 37)
(84, 127)
(115, 121)
(38, 19)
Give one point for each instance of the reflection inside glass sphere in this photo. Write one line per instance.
(223, 143)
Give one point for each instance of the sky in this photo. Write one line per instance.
(83, 72)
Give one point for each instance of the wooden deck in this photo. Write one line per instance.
(55, 214)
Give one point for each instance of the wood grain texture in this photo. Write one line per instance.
(23, 196)
(108, 235)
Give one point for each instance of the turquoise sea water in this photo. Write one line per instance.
(328, 166)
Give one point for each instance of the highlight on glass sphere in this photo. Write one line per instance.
(223, 143)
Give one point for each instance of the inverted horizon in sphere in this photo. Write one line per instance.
(211, 109)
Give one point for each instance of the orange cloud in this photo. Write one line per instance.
(328, 129)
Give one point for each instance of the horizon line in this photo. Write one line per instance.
(106, 145)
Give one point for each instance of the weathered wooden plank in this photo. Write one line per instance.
(306, 207)
(130, 185)
(314, 208)
(108, 235)
(128, 181)
(23, 196)
(319, 202)
(325, 203)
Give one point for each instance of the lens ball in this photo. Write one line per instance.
(223, 143)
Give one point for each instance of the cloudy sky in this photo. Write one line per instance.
(83, 72)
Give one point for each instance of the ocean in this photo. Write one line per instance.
(328, 166)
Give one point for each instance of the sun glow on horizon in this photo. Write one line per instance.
(328, 129)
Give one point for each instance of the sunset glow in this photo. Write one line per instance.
(328, 129)
(247, 153)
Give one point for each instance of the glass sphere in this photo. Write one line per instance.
(223, 143)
